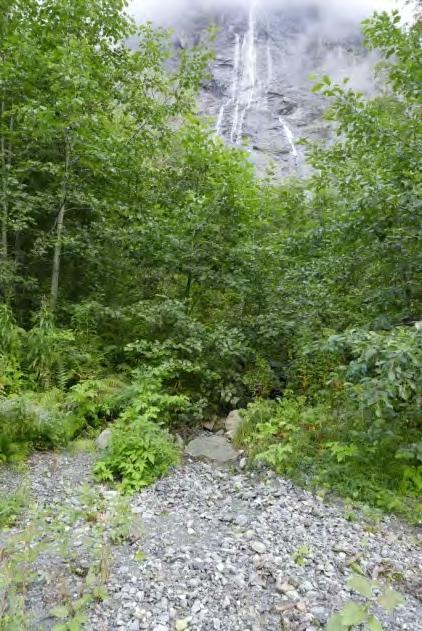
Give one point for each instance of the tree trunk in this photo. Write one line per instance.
(5, 210)
(55, 275)
(188, 289)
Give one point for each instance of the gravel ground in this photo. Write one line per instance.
(207, 549)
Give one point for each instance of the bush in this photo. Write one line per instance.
(11, 337)
(206, 362)
(333, 447)
(141, 450)
(52, 357)
(98, 401)
(33, 421)
(282, 433)
(382, 378)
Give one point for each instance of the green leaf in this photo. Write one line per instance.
(353, 614)
(61, 611)
(362, 585)
(374, 624)
(390, 599)
(335, 623)
(91, 579)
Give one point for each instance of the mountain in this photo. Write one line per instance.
(259, 94)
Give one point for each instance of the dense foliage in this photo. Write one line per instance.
(148, 277)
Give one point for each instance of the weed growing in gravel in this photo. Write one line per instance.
(82, 571)
(354, 614)
(302, 555)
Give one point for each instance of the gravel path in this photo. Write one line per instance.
(208, 549)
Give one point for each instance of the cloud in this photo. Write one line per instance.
(170, 11)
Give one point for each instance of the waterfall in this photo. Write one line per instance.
(247, 90)
(236, 66)
(246, 87)
(290, 137)
(235, 86)
(220, 120)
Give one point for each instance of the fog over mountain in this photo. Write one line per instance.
(260, 95)
(168, 12)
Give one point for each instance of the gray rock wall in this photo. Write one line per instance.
(260, 94)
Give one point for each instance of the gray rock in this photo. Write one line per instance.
(104, 439)
(289, 44)
(258, 547)
(215, 579)
(284, 587)
(216, 448)
(233, 422)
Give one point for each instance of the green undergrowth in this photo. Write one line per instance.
(313, 448)
(355, 614)
(141, 449)
(11, 506)
(139, 413)
(359, 433)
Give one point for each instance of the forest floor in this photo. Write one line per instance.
(207, 548)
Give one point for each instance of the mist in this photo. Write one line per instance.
(166, 13)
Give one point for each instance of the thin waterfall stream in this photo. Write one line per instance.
(247, 90)
(290, 137)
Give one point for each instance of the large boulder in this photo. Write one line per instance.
(233, 422)
(216, 448)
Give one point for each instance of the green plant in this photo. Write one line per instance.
(11, 506)
(383, 375)
(281, 433)
(354, 614)
(32, 420)
(51, 358)
(11, 337)
(203, 360)
(302, 554)
(329, 448)
(140, 452)
(98, 401)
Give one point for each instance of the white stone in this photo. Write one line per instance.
(104, 439)
(258, 547)
(233, 422)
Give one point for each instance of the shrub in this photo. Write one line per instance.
(141, 450)
(11, 337)
(204, 361)
(282, 433)
(329, 447)
(31, 420)
(98, 401)
(383, 376)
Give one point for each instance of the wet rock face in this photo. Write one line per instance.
(259, 94)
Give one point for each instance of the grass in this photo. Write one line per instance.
(11, 507)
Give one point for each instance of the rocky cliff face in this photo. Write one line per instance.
(260, 92)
